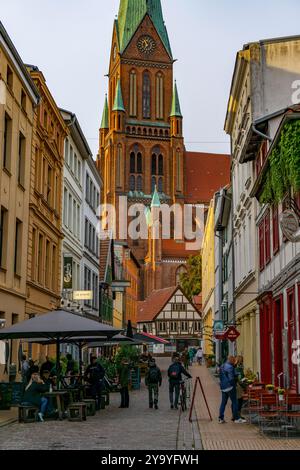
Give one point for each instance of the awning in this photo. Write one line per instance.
(147, 338)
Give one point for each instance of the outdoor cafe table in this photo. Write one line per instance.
(58, 395)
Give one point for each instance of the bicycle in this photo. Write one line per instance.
(185, 394)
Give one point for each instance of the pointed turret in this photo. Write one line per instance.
(175, 110)
(176, 115)
(132, 13)
(119, 103)
(104, 121)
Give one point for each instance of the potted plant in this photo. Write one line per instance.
(281, 393)
(270, 388)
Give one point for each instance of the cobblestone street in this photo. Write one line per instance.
(113, 429)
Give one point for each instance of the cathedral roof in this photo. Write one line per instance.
(104, 122)
(132, 13)
(206, 173)
(175, 110)
(119, 103)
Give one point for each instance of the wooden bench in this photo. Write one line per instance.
(28, 414)
(77, 412)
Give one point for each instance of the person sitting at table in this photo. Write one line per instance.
(70, 372)
(33, 394)
(94, 375)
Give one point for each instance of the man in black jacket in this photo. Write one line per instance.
(94, 375)
(175, 372)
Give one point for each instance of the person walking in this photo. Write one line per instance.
(199, 356)
(175, 372)
(153, 381)
(123, 372)
(228, 388)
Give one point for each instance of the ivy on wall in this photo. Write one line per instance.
(284, 170)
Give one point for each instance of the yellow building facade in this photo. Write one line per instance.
(18, 99)
(45, 212)
(208, 281)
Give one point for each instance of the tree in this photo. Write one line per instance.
(191, 281)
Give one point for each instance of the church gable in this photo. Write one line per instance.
(146, 44)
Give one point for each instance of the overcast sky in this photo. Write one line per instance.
(69, 40)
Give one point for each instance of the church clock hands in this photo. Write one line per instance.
(146, 45)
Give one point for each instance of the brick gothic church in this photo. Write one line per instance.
(141, 137)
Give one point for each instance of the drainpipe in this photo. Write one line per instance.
(264, 136)
(220, 237)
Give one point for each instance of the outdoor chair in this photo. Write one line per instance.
(77, 412)
(270, 414)
(292, 414)
(90, 406)
(28, 414)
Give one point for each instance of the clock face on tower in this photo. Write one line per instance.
(146, 45)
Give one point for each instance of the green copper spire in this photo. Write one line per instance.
(132, 13)
(104, 122)
(119, 104)
(175, 110)
(148, 217)
(155, 199)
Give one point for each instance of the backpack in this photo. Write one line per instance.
(153, 375)
(174, 372)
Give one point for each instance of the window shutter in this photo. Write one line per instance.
(268, 238)
(275, 222)
(261, 230)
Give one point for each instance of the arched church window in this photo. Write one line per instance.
(146, 96)
(133, 94)
(132, 183)
(119, 166)
(139, 185)
(160, 165)
(178, 165)
(153, 184)
(132, 162)
(179, 272)
(139, 163)
(160, 185)
(153, 164)
(159, 96)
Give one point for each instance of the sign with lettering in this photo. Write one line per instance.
(232, 334)
(83, 295)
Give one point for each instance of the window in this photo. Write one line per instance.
(23, 100)
(178, 165)
(21, 159)
(139, 163)
(132, 183)
(86, 232)
(75, 166)
(153, 184)
(132, 162)
(275, 222)
(79, 221)
(67, 151)
(65, 214)
(160, 185)
(3, 237)
(7, 142)
(33, 255)
(79, 172)
(49, 185)
(179, 272)
(40, 259)
(184, 326)
(71, 159)
(9, 77)
(133, 94)
(18, 248)
(139, 183)
(54, 273)
(267, 238)
(261, 231)
(48, 267)
(153, 164)
(87, 188)
(160, 165)
(159, 96)
(146, 96)
(45, 120)
(70, 221)
(74, 217)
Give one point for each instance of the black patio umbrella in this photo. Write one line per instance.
(58, 325)
(149, 339)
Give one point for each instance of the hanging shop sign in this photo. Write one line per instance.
(68, 273)
(289, 223)
(232, 334)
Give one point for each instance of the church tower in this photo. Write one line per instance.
(141, 136)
